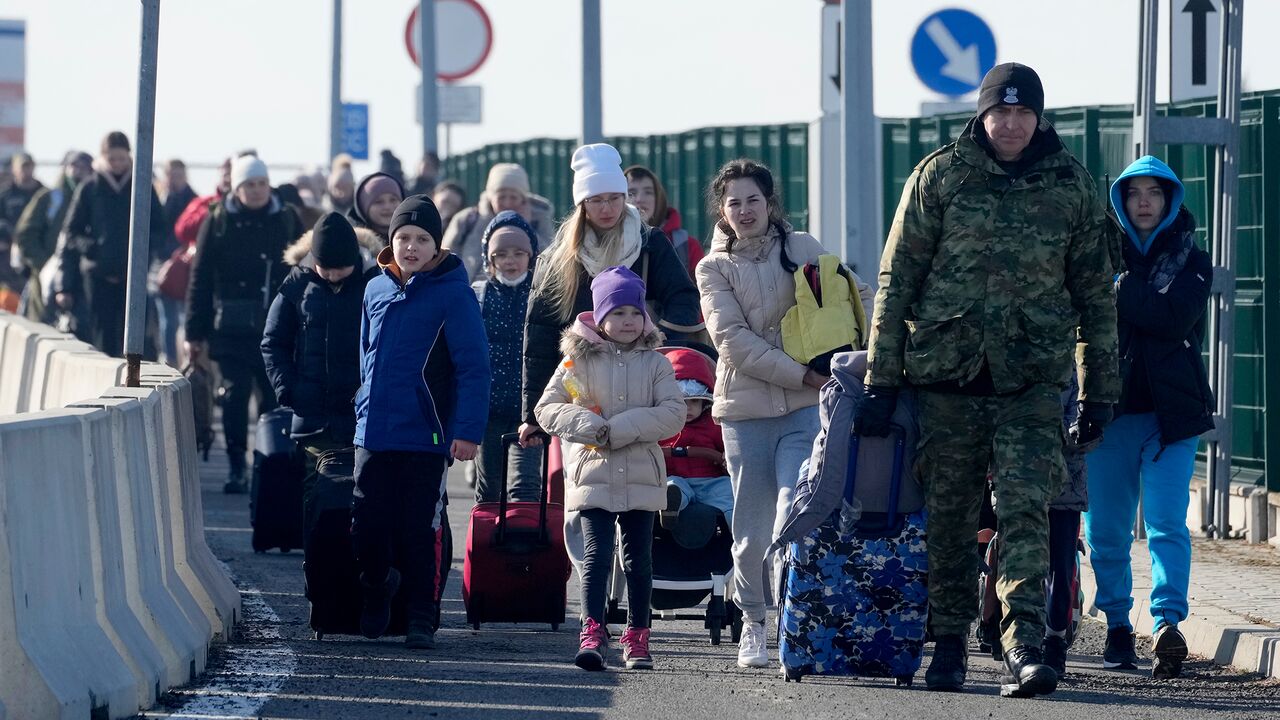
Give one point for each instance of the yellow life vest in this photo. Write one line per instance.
(810, 329)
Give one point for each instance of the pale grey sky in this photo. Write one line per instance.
(241, 73)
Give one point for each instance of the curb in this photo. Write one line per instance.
(1221, 636)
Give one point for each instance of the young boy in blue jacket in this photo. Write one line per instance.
(423, 402)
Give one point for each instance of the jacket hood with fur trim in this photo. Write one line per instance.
(583, 338)
(299, 253)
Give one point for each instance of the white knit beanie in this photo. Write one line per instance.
(246, 168)
(507, 176)
(597, 169)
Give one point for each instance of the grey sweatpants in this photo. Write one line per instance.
(764, 458)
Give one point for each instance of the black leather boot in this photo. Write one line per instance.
(1028, 675)
(950, 663)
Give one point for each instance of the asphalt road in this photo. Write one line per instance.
(275, 669)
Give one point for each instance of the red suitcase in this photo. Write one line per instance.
(516, 568)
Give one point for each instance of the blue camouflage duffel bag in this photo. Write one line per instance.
(854, 591)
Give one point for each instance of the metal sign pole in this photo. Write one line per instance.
(1145, 105)
(861, 236)
(135, 319)
(427, 59)
(592, 123)
(335, 84)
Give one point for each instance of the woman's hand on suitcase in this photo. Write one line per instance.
(463, 450)
(529, 435)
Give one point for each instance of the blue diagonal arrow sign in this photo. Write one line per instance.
(951, 51)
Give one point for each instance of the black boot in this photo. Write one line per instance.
(1028, 675)
(376, 615)
(235, 484)
(420, 637)
(1119, 653)
(950, 663)
(1055, 654)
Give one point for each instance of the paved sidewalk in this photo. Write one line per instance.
(1234, 602)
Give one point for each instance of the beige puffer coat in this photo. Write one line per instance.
(745, 294)
(612, 460)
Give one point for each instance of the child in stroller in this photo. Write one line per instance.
(692, 544)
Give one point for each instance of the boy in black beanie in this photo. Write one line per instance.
(423, 403)
(311, 345)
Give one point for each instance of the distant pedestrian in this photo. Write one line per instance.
(25, 185)
(425, 182)
(1166, 403)
(94, 262)
(341, 190)
(610, 402)
(389, 164)
(36, 235)
(449, 197)
(510, 247)
(176, 193)
(311, 344)
(236, 272)
(765, 402)
(647, 193)
(506, 189)
(422, 403)
(995, 275)
(377, 197)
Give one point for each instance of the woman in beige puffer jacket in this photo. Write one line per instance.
(765, 402)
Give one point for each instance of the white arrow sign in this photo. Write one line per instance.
(962, 63)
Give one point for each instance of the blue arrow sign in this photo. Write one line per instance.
(355, 130)
(952, 50)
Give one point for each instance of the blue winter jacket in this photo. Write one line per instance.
(424, 361)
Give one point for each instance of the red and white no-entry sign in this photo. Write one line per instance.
(464, 37)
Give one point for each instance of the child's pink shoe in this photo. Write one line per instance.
(593, 643)
(635, 649)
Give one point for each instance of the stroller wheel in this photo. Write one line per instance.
(555, 627)
(735, 622)
(903, 681)
(715, 625)
(615, 615)
(790, 674)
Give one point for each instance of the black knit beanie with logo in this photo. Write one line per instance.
(1011, 84)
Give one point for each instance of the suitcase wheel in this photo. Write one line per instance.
(555, 627)
(319, 635)
(790, 674)
(715, 624)
(475, 626)
(285, 550)
(903, 681)
(735, 622)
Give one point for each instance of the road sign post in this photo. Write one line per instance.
(135, 318)
(861, 241)
(335, 82)
(427, 61)
(459, 45)
(952, 50)
(592, 115)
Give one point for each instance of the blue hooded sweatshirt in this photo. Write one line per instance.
(424, 361)
(1146, 166)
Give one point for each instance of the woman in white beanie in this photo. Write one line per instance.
(506, 189)
(602, 231)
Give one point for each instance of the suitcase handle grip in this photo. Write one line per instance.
(510, 440)
(899, 435)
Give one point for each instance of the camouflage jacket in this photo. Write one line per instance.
(982, 265)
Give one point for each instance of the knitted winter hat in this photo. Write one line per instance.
(246, 168)
(374, 187)
(597, 169)
(419, 211)
(333, 242)
(509, 229)
(1011, 84)
(507, 176)
(614, 288)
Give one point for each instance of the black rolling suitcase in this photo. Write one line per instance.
(275, 505)
(329, 562)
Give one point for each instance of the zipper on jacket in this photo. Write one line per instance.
(435, 412)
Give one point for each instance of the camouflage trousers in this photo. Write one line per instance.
(1018, 438)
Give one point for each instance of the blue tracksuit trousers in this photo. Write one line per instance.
(1129, 464)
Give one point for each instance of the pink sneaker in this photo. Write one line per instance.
(635, 649)
(593, 643)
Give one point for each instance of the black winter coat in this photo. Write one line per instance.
(1161, 334)
(97, 229)
(311, 347)
(672, 297)
(504, 309)
(237, 270)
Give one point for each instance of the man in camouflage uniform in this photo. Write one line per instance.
(995, 269)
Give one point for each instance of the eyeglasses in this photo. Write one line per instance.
(600, 201)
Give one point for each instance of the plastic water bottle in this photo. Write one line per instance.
(850, 513)
(577, 390)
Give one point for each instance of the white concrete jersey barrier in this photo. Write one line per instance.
(108, 593)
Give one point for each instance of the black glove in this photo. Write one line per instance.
(1094, 416)
(873, 414)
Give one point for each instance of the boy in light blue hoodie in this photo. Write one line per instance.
(1148, 452)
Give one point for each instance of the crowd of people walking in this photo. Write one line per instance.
(1047, 345)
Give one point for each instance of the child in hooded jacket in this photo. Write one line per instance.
(610, 402)
(695, 455)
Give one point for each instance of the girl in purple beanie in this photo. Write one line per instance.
(611, 400)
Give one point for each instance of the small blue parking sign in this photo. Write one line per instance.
(355, 130)
(952, 50)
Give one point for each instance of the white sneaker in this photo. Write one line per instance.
(751, 648)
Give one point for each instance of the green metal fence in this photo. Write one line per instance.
(1101, 137)
(685, 162)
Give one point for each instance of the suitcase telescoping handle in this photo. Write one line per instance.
(899, 435)
(509, 440)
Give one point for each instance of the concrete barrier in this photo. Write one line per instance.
(172, 618)
(19, 341)
(56, 659)
(76, 376)
(37, 381)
